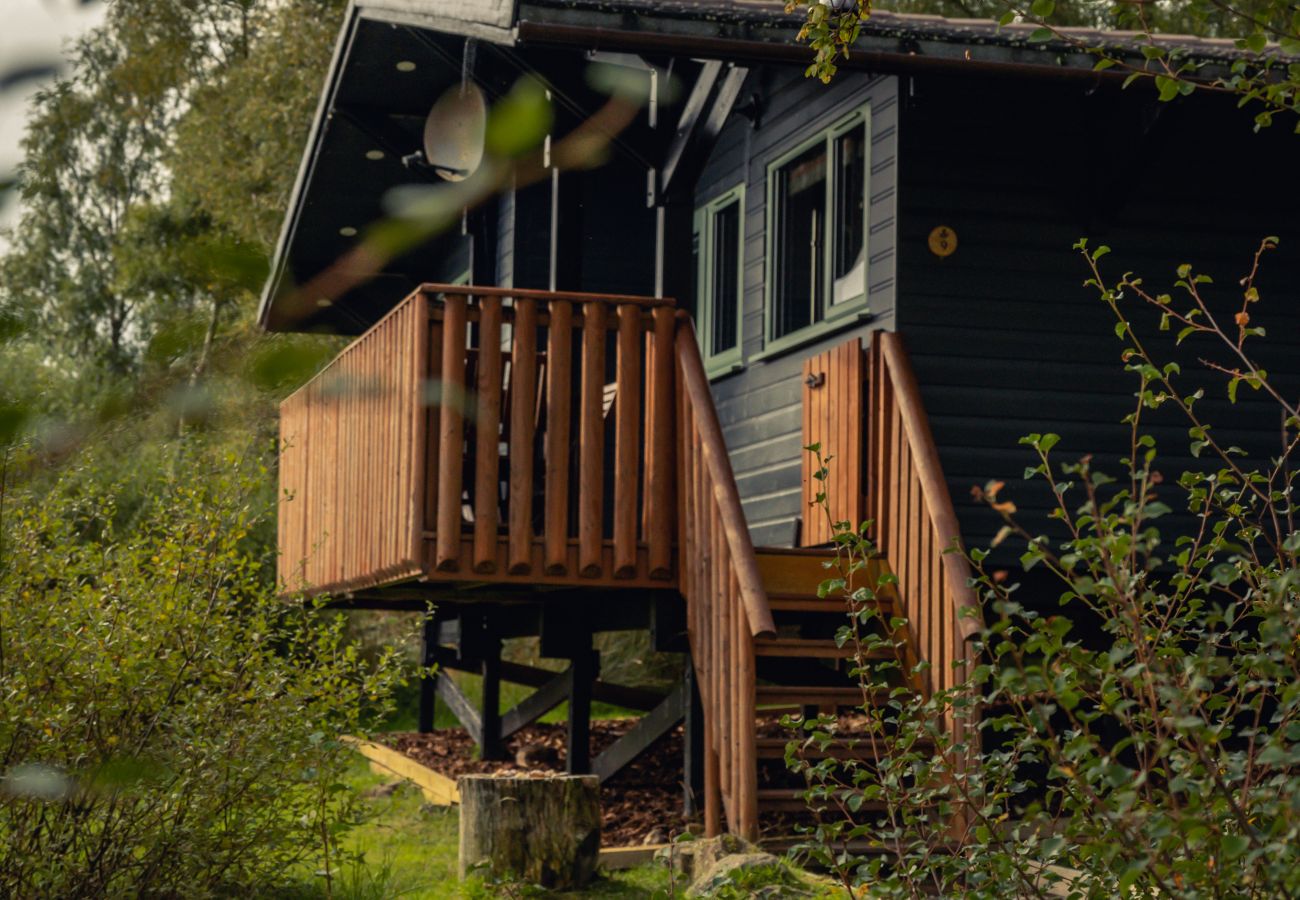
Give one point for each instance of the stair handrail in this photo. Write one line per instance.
(938, 500)
(695, 384)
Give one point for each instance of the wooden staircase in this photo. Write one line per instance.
(762, 640)
(807, 672)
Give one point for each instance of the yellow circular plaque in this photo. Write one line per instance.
(943, 241)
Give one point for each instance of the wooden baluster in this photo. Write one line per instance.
(487, 512)
(428, 383)
(722, 639)
(733, 699)
(659, 496)
(559, 375)
(451, 435)
(523, 389)
(387, 435)
(627, 439)
(591, 446)
(748, 736)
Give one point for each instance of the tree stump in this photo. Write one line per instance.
(539, 830)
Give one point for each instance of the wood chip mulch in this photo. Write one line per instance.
(640, 805)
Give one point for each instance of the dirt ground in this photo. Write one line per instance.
(640, 805)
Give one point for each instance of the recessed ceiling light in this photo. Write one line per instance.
(374, 154)
(406, 66)
(347, 231)
(324, 301)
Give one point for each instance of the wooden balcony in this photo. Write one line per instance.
(478, 441)
(487, 435)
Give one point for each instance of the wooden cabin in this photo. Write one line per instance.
(582, 405)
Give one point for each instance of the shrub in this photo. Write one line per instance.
(1161, 760)
(170, 724)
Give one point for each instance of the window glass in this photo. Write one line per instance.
(726, 278)
(849, 252)
(800, 219)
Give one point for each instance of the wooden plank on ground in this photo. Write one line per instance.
(436, 787)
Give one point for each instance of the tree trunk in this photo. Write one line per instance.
(538, 830)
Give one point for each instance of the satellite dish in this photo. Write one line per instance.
(454, 132)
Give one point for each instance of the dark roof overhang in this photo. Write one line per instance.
(369, 106)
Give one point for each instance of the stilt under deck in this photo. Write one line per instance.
(551, 463)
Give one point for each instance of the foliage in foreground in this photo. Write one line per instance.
(169, 722)
(1162, 759)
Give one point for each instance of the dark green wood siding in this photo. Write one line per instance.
(1004, 338)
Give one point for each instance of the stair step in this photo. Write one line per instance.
(792, 800)
(796, 573)
(774, 748)
(820, 649)
(807, 695)
(793, 576)
(813, 603)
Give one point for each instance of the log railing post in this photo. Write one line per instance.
(559, 374)
(487, 428)
(591, 441)
(659, 498)
(451, 437)
(523, 399)
(627, 439)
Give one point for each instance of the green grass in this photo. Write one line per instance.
(406, 849)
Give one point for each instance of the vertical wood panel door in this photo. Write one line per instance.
(834, 389)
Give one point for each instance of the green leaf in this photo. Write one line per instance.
(1234, 845)
(1043, 8)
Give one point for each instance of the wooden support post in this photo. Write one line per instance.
(692, 744)
(428, 683)
(582, 671)
(491, 745)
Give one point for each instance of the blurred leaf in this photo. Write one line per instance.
(13, 420)
(520, 121)
(37, 781)
(287, 363)
(619, 81)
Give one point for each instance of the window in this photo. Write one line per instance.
(719, 242)
(817, 231)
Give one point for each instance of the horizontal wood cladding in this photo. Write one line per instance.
(759, 406)
(1004, 338)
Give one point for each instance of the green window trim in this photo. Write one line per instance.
(719, 361)
(833, 313)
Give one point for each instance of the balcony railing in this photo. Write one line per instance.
(487, 434)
